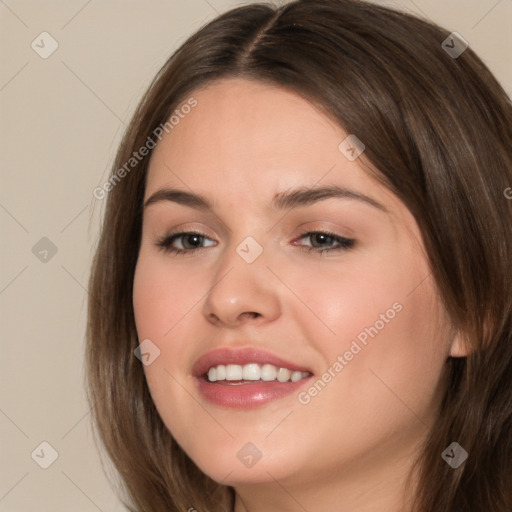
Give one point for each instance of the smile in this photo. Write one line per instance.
(244, 378)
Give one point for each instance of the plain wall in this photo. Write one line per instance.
(61, 120)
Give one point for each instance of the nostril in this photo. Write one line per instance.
(251, 314)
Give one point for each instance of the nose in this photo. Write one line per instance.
(241, 292)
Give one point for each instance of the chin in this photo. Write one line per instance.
(246, 463)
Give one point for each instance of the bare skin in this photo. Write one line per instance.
(351, 445)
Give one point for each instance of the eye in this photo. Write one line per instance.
(321, 241)
(190, 241)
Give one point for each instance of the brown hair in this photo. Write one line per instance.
(438, 133)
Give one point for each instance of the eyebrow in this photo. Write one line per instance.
(283, 200)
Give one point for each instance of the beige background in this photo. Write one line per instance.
(61, 120)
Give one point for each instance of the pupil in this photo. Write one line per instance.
(195, 237)
(320, 237)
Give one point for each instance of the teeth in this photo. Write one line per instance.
(221, 372)
(296, 376)
(283, 374)
(251, 372)
(254, 371)
(233, 372)
(268, 372)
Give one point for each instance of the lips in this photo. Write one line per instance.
(245, 394)
(242, 357)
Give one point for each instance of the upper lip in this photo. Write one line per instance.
(241, 356)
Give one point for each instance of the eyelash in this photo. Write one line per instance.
(344, 243)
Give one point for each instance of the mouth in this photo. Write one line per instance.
(247, 378)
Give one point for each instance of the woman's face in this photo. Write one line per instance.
(360, 322)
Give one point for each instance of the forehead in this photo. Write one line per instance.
(244, 118)
(255, 139)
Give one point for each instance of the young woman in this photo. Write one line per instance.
(301, 297)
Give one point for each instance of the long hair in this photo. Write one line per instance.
(437, 127)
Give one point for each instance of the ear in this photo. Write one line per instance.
(458, 346)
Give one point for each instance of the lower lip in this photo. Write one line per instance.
(247, 395)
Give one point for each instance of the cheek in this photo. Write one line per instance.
(161, 296)
(385, 387)
(161, 302)
(392, 358)
(340, 299)
(385, 320)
